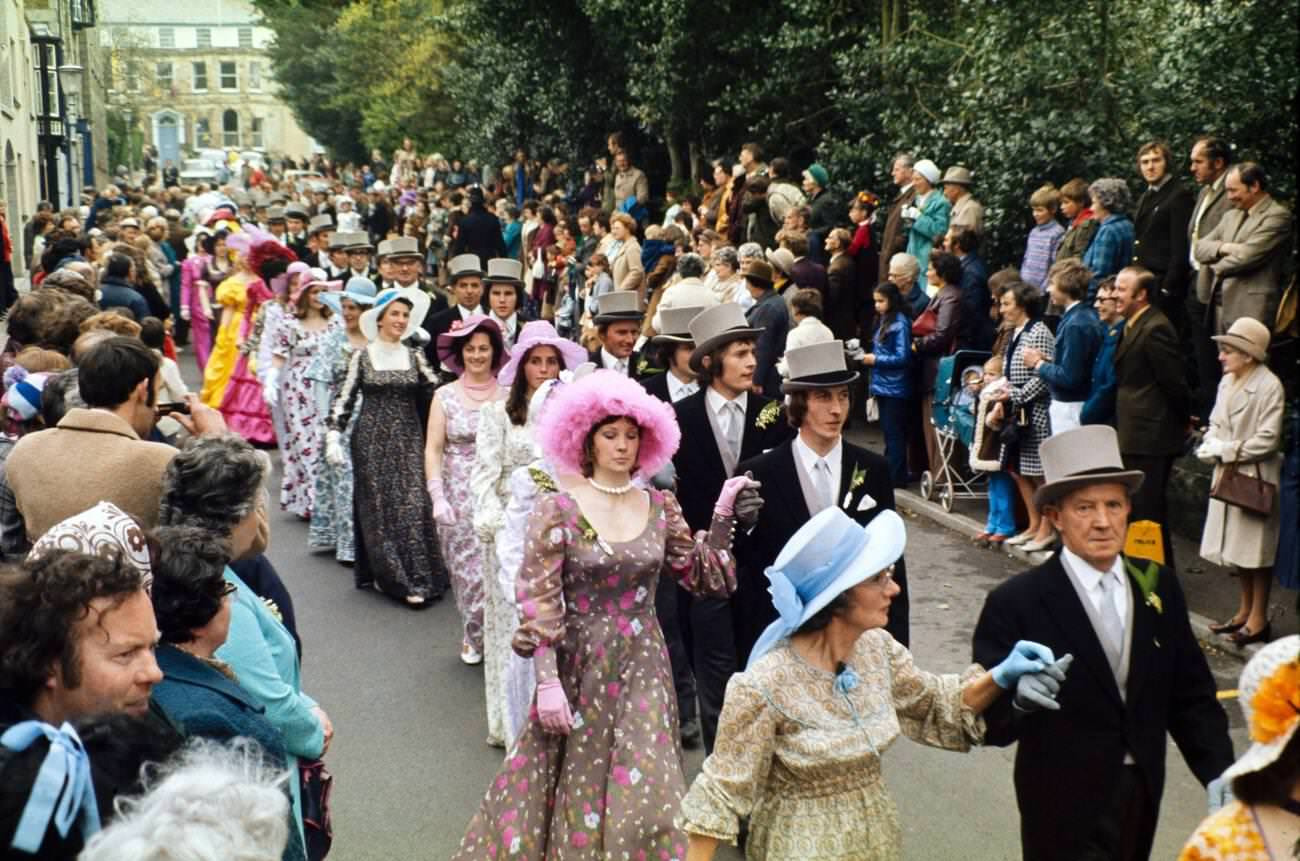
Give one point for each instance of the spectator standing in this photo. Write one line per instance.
(804, 271)
(890, 362)
(976, 330)
(1044, 237)
(8, 293)
(863, 249)
(1209, 165)
(770, 316)
(782, 194)
(689, 290)
(903, 271)
(1078, 340)
(115, 290)
(631, 188)
(1245, 436)
(841, 286)
(932, 342)
(1099, 409)
(805, 308)
(1151, 399)
(894, 240)
(479, 231)
(966, 210)
(816, 182)
(928, 214)
(1111, 248)
(1160, 242)
(624, 253)
(1248, 250)
(1076, 206)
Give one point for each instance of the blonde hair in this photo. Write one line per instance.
(1047, 196)
(113, 321)
(37, 359)
(626, 220)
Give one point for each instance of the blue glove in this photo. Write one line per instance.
(1036, 691)
(1026, 657)
(1220, 793)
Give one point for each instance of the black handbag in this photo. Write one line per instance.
(316, 783)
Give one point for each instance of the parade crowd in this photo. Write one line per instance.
(636, 486)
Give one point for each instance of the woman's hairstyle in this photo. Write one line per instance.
(213, 800)
(822, 618)
(1077, 191)
(188, 586)
(947, 267)
(589, 444)
(517, 400)
(796, 241)
(38, 359)
(894, 306)
(115, 320)
(1272, 784)
(1027, 296)
(1111, 193)
(70, 280)
(727, 256)
(807, 302)
(400, 299)
(624, 219)
(493, 336)
(691, 265)
(598, 260)
(1002, 279)
(1047, 197)
(301, 306)
(214, 483)
(1071, 277)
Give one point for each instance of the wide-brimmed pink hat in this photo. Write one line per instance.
(575, 409)
(309, 278)
(280, 283)
(470, 325)
(540, 333)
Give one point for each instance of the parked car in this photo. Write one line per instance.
(302, 178)
(197, 170)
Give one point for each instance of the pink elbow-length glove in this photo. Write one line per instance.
(553, 710)
(731, 488)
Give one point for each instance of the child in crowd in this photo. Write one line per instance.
(989, 419)
(599, 282)
(173, 389)
(891, 376)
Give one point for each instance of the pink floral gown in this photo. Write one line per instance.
(303, 420)
(611, 788)
(461, 550)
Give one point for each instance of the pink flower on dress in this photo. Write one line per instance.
(644, 705)
(530, 609)
(583, 603)
(613, 688)
(621, 776)
(508, 817)
(578, 839)
(523, 786)
(627, 601)
(518, 762)
(612, 580)
(502, 781)
(507, 835)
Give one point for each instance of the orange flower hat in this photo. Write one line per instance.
(1270, 698)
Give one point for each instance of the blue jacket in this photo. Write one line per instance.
(205, 703)
(975, 332)
(1111, 250)
(118, 294)
(1078, 340)
(1099, 409)
(891, 376)
(511, 235)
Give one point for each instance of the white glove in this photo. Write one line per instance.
(271, 388)
(334, 448)
(185, 313)
(1210, 450)
(911, 213)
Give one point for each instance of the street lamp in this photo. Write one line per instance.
(70, 77)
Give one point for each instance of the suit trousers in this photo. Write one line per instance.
(1127, 829)
(711, 644)
(1150, 502)
(1208, 369)
(678, 657)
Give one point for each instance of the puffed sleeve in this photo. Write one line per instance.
(733, 777)
(345, 400)
(929, 706)
(539, 588)
(231, 293)
(489, 455)
(510, 540)
(283, 335)
(702, 563)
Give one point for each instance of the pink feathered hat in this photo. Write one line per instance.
(574, 410)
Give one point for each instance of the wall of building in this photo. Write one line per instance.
(18, 145)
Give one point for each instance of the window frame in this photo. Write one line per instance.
(197, 66)
(203, 37)
(234, 75)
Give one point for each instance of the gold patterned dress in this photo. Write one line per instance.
(1230, 834)
(802, 760)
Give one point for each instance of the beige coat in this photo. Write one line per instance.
(967, 212)
(1249, 415)
(1248, 252)
(626, 268)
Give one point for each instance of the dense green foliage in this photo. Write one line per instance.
(1020, 91)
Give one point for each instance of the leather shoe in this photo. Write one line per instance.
(690, 732)
(1244, 638)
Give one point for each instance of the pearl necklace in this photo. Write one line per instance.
(612, 491)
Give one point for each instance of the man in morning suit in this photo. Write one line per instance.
(722, 425)
(1089, 775)
(801, 477)
(465, 278)
(618, 325)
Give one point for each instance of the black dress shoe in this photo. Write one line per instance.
(691, 738)
(1244, 637)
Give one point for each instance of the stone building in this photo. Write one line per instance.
(191, 76)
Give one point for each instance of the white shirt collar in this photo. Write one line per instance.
(678, 389)
(1068, 307)
(465, 313)
(611, 362)
(508, 323)
(809, 458)
(1090, 577)
(717, 402)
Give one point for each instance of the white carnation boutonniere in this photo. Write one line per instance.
(768, 415)
(856, 480)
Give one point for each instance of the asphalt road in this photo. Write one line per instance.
(411, 765)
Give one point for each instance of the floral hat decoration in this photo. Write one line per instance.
(1270, 699)
(575, 409)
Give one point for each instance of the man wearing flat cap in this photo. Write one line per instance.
(1089, 775)
(966, 210)
(816, 470)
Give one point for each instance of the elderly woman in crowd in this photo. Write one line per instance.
(1025, 405)
(903, 271)
(624, 253)
(688, 291)
(201, 693)
(927, 215)
(1111, 248)
(216, 483)
(934, 335)
(729, 285)
(1244, 442)
(826, 691)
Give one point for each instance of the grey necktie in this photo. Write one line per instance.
(1112, 626)
(822, 481)
(735, 428)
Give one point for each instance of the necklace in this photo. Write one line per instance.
(612, 491)
(470, 392)
(478, 387)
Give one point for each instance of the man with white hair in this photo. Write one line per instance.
(895, 238)
(927, 215)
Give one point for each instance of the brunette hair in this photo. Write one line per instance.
(796, 241)
(1071, 276)
(37, 359)
(807, 302)
(1077, 191)
(1272, 783)
(893, 297)
(709, 371)
(517, 400)
(589, 445)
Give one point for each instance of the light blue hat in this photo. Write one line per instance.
(829, 554)
(359, 289)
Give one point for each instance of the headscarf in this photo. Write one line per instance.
(104, 530)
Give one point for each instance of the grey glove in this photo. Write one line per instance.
(749, 502)
(1036, 691)
(666, 478)
(1219, 794)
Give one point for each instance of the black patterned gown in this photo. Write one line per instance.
(396, 540)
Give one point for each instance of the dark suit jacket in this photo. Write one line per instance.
(772, 315)
(700, 469)
(808, 273)
(479, 232)
(1152, 400)
(784, 511)
(633, 363)
(1160, 235)
(439, 323)
(895, 238)
(1068, 761)
(842, 297)
(657, 385)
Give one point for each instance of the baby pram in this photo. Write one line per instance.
(954, 425)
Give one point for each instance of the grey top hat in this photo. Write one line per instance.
(957, 175)
(619, 305)
(716, 327)
(504, 270)
(319, 223)
(295, 210)
(677, 324)
(817, 366)
(462, 265)
(1076, 458)
(358, 241)
(402, 246)
(340, 240)
(275, 213)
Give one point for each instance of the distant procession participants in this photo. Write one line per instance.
(597, 772)
(200, 273)
(504, 443)
(472, 350)
(396, 546)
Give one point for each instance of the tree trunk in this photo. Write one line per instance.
(679, 169)
(693, 153)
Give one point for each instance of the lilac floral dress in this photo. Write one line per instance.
(461, 550)
(303, 419)
(611, 788)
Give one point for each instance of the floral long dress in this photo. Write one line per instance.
(502, 447)
(396, 542)
(609, 789)
(303, 420)
(461, 549)
(802, 760)
(331, 519)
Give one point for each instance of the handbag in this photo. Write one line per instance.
(924, 325)
(1252, 493)
(316, 783)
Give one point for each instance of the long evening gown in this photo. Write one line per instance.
(331, 519)
(303, 420)
(240, 397)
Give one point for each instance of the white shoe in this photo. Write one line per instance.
(1037, 546)
(1019, 539)
(470, 655)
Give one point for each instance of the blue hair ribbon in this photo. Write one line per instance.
(63, 792)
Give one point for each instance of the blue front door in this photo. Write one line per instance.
(169, 141)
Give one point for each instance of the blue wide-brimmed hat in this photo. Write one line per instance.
(829, 554)
(359, 289)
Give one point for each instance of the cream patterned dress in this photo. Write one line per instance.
(802, 760)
